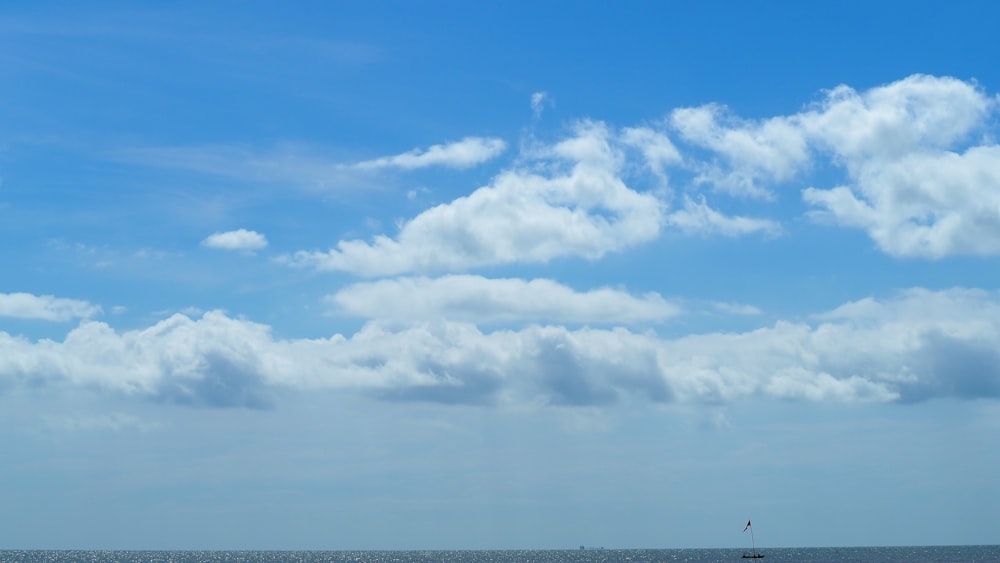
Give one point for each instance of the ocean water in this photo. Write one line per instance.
(935, 554)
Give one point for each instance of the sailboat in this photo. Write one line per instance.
(755, 554)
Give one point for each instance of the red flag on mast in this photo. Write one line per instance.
(747, 528)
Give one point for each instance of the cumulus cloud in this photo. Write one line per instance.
(206, 362)
(468, 152)
(480, 300)
(753, 154)
(44, 307)
(576, 205)
(240, 239)
(912, 163)
(913, 346)
(917, 179)
(929, 205)
(911, 190)
(916, 114)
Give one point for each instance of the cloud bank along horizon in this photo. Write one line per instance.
(913, 166)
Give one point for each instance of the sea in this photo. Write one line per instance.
(934, 554)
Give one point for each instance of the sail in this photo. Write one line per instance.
(754, 554)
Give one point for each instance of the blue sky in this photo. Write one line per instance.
(498, 275)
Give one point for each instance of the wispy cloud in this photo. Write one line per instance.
(308, 167)
(736, 308)
(696, 217)
(468, 152)
(240, 239)
(656, 147)
(298, 166)
(45, 307)
(326, 51)
(539, 100)
(480, 300)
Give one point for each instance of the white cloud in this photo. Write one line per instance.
(913, 115)
(918, 176)
(306, 167)
(736, 308)
(655, 146)
(480, 300)
(696, 217)
(468, 152)
(772, 150)
(210, 361)
(917, 114)
(929, 205)
(912, 184)
(45, 307)
(538, 102)
(240, 239)
(917, 345)
(578, 206)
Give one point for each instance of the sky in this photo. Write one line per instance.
(475, 275)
